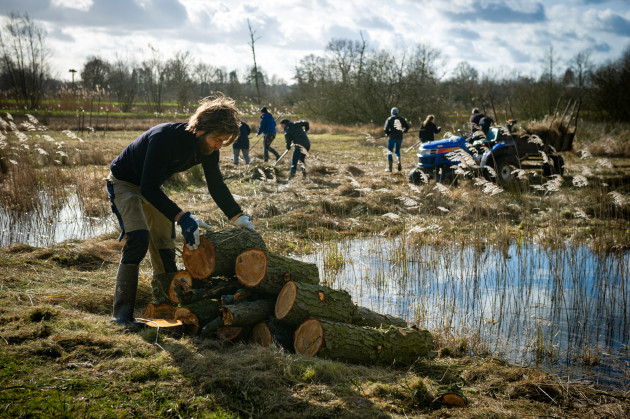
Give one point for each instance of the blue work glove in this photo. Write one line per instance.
(243, 221)
(190, 230)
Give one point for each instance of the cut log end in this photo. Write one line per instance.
(261, 335)
(285, 300)
(183, 280)
(229, 333)
(200, 262)
(309, 338)
(187, 317)
(453, 399)
(251, 267)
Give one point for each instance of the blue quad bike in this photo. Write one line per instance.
(495, 155)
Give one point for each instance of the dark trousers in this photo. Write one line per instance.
(269, 137)
(298, 156)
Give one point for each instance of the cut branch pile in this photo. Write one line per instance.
(235, 289)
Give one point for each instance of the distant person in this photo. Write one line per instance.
(295, 136)
(267, 127)
(241, 145)
(475, 121)
(146, 215)
(395, 127)
(428, 129)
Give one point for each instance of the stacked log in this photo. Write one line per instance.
(235, 289)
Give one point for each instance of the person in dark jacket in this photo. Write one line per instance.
(474, 120)
(267, 127)
(146, 215)
(295, 136)
(428, 129)
(395, 127)
(241, 145)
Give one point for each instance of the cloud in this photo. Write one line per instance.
(499, 12)
(603, 47)
(616, 24)
(375, 22)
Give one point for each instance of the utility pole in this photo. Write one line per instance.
(253, 41)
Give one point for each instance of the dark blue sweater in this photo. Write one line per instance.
(267, 124)
(159, 153)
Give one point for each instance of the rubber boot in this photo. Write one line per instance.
(389, 165)
(399, 166)
(125, 296)
(160, 284)
(303, 174)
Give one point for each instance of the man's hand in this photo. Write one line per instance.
(243, 221)
(190, 230)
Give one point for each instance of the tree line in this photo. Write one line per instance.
(350, 82)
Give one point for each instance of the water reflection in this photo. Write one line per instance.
(50, 225)
(567, 309)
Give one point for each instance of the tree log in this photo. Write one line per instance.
(198, 314)
(364, 345)
(299, 301)
(247, 313)
(366, 317)
(228, 244)
(186, 295)
(268, 272)
(211, 327)
(183, 280)
(232, 333)
(164, 311)
(199, 262)
(270, 331)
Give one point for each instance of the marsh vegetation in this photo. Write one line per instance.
(535, 274)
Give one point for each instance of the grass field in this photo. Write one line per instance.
(61, 357)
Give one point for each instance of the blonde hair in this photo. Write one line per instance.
(216, 115)
(429, 119)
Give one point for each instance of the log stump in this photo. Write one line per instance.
(198, 314)
(363, 345)
(199, 262)
(181, 282)
(228, 244)
(268, 272)
(270, 331)
(299, 301)
(232, 333)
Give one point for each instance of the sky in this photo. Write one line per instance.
(498, 37)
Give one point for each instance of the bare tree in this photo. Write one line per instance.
(24, 59)
(153, 78)
(179, 78)
(123, 81)
(252, 44)
(581, 67)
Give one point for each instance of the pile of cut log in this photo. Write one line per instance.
(235, 289)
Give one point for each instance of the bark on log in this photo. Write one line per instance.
(247, 313)
(228, 244)
(299, 301)
(211, 327)
(200, 262)
(164, 311)
(190, 296)
(364, 345)
(268, 272)
(366, 317)
(270, 331)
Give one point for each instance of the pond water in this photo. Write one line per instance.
(567, 310)
(49, 225)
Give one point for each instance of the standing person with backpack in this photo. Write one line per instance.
(241, 145)
(295, 136)
(268, 128)
(428, 129)
(395, 127)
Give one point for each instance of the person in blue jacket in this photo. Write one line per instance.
(395, 127)
(295, 136)
(146, 215)
(268, 128)
(241, 145)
